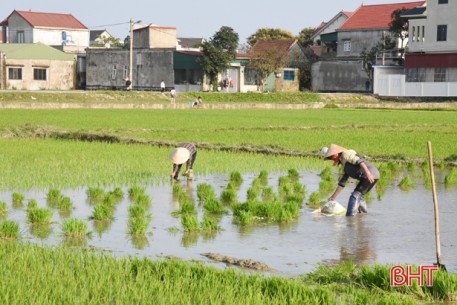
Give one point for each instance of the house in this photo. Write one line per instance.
(59, 30)
(152, 61)
(97, 37)
(430, 68)
(364, 29)
(285, 78)
(325, 37)
(35, 66)
(189, 44)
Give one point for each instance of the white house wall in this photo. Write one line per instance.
(55, 37)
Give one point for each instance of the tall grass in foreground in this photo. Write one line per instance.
(63, 276)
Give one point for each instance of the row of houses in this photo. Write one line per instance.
(29, 60)
(430, 58)
(53, 51)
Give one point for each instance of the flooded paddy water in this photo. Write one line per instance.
(399, 228)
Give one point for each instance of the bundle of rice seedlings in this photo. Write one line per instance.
(9, 229)
(39, 216)
(75, 228)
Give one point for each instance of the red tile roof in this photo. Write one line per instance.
(51, 20)
(282, 45)
(375, 16)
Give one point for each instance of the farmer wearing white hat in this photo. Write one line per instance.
(184, 153)
(355, 167)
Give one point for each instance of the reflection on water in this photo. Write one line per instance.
(399, 228)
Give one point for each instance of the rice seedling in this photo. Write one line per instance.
(138, 226)
(18, 200)
(95, 194)
(41, 231)
(102, 212)
(406, 184)
(263, 176)
(210, 224)
(65, 204)
(213, 206)
(315, 200)
(252, 194)
(188, 207)
(257, 184)
(326, 173)
(451, 178)
(293, 174)
(9, 229)
(229, 196)
(143, 200)
(110, 201)
(245, 217)
(3, 208)
(136, 191)
(189, 222)
(75, 228)
(39, 216)
(205, 192)
(268, 194)
(236, 178)
(137, 211)
(33, 204)
(139, 241)
(326, 186)
(117, 193)
(53, 197)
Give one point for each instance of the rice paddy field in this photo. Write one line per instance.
(89, 216)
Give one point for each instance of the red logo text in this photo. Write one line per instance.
(404, 275)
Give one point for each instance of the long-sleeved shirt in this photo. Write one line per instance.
(350, 161)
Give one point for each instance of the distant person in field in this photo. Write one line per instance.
(356, 167)
(173, 95)
(184, 153)
(162, 86)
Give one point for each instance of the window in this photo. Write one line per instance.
(250, 76)
(15, 73)
(442, 1)
(289, 75)
(125, 72)
(20, 37)
(114, 72)
(414, 33)
(415, 75)
(138, 60)
(39, 74)
(441, 33)
(440, 75)
(423, 33)
(347, 46)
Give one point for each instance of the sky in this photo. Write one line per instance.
(196, 19)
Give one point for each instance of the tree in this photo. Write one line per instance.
(399, 27)
(218, 53)
(266, 62)
(269, 34)
(304, 37)
(111, 41)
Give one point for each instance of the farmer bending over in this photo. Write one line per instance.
(185, 152)
(357, 168)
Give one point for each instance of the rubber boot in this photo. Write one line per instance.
(353, 204)
(363, 205)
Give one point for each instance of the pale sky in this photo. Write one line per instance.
(198, 18)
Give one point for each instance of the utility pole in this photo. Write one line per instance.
(131, 56)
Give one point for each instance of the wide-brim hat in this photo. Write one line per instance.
(179, 155)
(333, 150)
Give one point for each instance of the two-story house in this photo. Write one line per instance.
(151, 57)
(364, 29)
(62, 31)
(431, 59)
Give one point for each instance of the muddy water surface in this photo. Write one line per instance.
(399, 228)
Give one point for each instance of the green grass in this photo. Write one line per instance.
(9, 229)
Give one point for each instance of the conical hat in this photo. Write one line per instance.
(179, 155)
(333, 150)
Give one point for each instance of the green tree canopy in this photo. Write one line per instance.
(218, 52)
(304, 37)
(269, 34)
